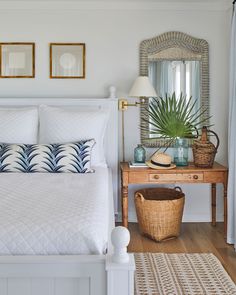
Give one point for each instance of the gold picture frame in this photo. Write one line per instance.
(17, 60)
(67, 60)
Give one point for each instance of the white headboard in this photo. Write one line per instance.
(111, 137)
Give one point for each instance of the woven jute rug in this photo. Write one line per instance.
(177, 274)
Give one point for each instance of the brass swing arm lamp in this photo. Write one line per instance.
(123, 103)
(141, 88)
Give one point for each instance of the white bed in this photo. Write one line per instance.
(55, 223)
(55, 214)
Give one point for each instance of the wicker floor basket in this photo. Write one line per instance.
(159, 212)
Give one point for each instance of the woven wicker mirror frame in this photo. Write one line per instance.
(167, 41)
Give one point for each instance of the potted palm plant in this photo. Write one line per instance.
(176, 120)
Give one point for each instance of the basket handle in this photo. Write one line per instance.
(197, 133)
(217, 138)
(139, 196)
(194, 136)
(178, 188)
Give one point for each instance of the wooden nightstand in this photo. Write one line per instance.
(188, 174)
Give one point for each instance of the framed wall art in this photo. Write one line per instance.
(17, 60)
(67, 60)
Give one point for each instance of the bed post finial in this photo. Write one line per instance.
(120, 238)
(120, 266)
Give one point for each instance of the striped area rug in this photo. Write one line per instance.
(181, 274)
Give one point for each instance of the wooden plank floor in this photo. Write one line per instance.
(194, 238)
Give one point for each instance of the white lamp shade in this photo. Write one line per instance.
(142, 87)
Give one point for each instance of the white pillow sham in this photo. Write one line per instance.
(69, 125)
(19, 125)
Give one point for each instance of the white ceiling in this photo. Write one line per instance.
(144, 1)
(207, 5)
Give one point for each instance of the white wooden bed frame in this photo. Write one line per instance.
(111, 274)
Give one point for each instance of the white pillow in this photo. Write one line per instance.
(69, 125)
(19, 125)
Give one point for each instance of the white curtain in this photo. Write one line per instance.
(160, 73)
(153, 75)
(195, 83)
(166, 80)
(231, 234)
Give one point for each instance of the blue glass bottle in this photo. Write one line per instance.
(139, 154)
(181, 152)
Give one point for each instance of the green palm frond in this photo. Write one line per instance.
(171, 118)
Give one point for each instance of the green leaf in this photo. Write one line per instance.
(170, 117)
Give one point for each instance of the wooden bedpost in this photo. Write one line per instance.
(120, 266)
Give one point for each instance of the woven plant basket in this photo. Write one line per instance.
(159, 212)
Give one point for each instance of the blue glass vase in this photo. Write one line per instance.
(181, 152)
(139, 154)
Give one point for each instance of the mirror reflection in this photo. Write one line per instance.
(176, 76)
(179, 76)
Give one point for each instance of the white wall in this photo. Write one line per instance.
(112, 38)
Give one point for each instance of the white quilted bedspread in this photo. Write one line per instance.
(47, 213)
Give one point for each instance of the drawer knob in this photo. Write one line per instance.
(195, 176)
(156, 176)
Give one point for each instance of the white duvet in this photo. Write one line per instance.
(47, 213)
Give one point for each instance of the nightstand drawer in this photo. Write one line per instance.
(175, 177)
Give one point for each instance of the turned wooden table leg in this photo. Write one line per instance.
(124, 198)
(225, 184)
(213, 204)
(125, 206)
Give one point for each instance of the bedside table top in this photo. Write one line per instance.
(124, 166)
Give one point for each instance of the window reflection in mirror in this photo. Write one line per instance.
(179, 76)
(175, 76)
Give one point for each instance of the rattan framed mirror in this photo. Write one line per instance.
(175, 48)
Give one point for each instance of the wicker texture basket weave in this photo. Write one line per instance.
(159, 212)
(204, 151)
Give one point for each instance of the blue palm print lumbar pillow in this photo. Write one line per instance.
(54, 158)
